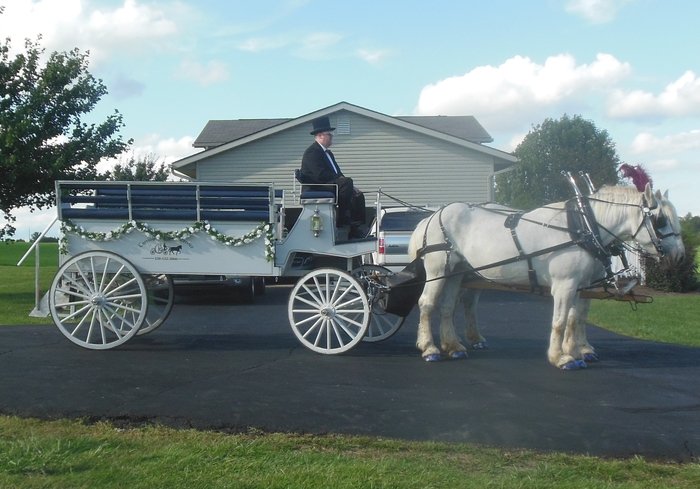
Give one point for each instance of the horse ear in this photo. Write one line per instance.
(649, 196)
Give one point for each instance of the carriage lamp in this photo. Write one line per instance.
(316, 223)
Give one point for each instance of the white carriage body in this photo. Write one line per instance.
(173, 227)
(122, 242)
(197, 227)
(196, 254)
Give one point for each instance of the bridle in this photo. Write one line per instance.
(651, 223)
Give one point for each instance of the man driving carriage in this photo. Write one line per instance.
(318, 166)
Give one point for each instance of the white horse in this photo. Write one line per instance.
(535, 250)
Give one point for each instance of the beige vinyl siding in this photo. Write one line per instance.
(409, 165)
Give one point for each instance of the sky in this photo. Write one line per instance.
(629, 66)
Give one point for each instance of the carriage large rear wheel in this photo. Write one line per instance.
(382, 324)
(161, 296)
(98, 300)
(328, 311)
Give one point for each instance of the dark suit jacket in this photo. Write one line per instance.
(315, 166)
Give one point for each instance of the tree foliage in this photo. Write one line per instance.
(42, 135)
(145, 168)
(679, 277)
(568, 144)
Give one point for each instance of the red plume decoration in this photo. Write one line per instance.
(639, 176)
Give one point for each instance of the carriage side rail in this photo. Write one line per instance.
(188, 201)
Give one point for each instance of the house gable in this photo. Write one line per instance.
(406, 160)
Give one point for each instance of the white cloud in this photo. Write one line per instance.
(519, 90)
(259, 44)
(679, 98)
(65, 24)
(24, 19)
(596, 11)
(204, 74)
(169, 149)
(317, 45)
(647, 142)
(374, 56)
(165, 150)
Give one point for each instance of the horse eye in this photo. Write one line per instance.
(661, 221)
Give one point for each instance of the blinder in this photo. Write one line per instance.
(655, 225)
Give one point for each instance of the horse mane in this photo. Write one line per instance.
(637, 174)
(619, 194)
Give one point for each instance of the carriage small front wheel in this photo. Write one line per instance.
(98, 300)
(328, 311)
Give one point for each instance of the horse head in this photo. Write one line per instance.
(645, 216)
(663, 226)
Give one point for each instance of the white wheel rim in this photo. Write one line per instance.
(98, 300)
(161, 296)
(382, 325)
(328, 311)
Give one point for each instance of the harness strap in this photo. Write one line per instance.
(511, 223)
(585, 231)
(433, 248)
(446, 246)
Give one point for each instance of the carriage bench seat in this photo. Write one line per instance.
(174, 201)
(315, 193)
(317, 196)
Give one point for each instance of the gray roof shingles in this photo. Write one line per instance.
(217, 132)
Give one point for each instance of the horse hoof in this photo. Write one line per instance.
(574, 365)
(480, 345)
(591, 357)
(458, 355)
(433, 357)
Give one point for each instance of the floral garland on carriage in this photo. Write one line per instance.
(264, 229)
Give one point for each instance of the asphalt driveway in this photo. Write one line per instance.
(224, 366)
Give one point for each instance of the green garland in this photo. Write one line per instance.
(263, 229)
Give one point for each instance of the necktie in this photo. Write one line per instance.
(332, 161)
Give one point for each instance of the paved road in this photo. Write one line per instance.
(231, 367)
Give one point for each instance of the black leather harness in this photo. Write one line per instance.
(581, 226)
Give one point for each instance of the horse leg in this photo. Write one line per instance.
(470, 300)
(585, 350)
(559, 353)
(449, 340)
(426, 304)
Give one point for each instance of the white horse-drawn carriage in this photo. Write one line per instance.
(123, 242)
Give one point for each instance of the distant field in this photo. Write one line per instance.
(17, 296)
(11, 253)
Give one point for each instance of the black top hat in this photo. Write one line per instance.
(321, 124)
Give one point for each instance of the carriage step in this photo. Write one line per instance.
(42, 309)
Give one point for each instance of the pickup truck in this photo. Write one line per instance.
(394, 229)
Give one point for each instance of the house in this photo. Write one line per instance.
(429, 160)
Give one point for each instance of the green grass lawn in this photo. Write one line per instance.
(69, 454)
(670, 318)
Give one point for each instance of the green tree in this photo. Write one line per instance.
(145, 168)
(568, 144)
(42, 135)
